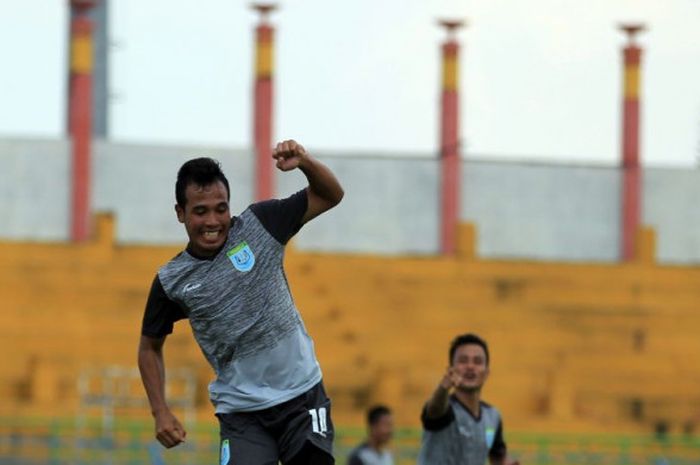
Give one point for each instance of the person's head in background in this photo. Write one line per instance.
(380, 424)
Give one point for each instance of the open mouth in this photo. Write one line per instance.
(210, 235)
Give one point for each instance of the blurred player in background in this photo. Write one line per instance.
(374, 451)
(230, 283)
(458, 427)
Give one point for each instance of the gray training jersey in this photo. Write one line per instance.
(366, 455)
(243, 316)
(458, 438)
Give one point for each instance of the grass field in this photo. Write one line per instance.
(44, 441)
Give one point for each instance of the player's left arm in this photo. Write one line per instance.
(504, 461)
(324, 191)
(498, 454)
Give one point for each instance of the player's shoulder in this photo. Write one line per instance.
(175, 259)
(248, 217)
(488, 406)
(298, 198)
(176, 265)
(490, 409)
(355, 455)
(359, 448)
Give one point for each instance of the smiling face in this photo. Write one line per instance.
(469, 363)
(206, 217)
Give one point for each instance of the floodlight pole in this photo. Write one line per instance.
(80, 116)
(450, 169)
(263, 101)
(631, 170)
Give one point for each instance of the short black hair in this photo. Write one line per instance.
(376, 412)
(468, 338)
(201, 171)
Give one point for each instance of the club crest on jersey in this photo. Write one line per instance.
(225, 452)
(242, 257)
(490, 436)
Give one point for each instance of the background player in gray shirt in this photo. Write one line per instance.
(230, 284)
(374, 451)
(458, 427)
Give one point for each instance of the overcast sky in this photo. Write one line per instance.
(540, 79)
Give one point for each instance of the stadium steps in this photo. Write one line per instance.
(571, 344)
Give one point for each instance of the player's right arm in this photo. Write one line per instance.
(169, 431)
(160, 314)
(438, 403)
(324, 191)
(354, 459)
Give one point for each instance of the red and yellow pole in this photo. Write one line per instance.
(631, 171)
(80, 116)
(263, 95)
(449, 141)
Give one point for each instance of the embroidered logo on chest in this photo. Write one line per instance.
(242, 257)
(191, 287)
(464, 431)
(490, 436)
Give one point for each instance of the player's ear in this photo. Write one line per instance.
(180, 212)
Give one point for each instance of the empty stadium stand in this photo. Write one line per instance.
(575, 347)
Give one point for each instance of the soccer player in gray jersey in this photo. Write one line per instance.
(458, 427)
(230, 283)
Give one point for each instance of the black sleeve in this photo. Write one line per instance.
(498, 449)
(354, 458)
(282, 218)
(436, 424)
(160, 313)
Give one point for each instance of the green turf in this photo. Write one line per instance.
(51, 441)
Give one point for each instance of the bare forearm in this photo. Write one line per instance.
(152, 371)
(324, 191)
(438, 403)
(322, 181)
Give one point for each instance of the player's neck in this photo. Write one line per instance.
(471, 400)
(374, 444)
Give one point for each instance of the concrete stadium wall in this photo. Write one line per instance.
(34, 194)
(137, 184)
(671, 207)
(553, 212)
(390, 207)
(521, 210)
(134, 182)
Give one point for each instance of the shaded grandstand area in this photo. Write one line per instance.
(576, 347)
